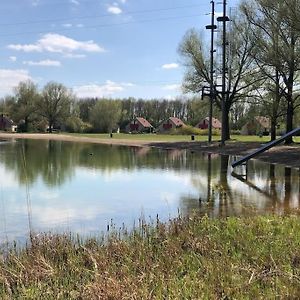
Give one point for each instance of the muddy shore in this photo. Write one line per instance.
(282, 154)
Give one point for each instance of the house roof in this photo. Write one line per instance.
(176, 121)
(263, 121)
(6, 119)
(215, 122)
(144, 122)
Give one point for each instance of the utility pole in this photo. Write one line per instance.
(224, 19)
(211, 27)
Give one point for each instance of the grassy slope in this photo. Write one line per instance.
(194, 258)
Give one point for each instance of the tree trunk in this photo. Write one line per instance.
(226, 123)
(26, 124)
(289, 120)
(273, 129)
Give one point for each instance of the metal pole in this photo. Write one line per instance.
(224, 117)
(211, 72)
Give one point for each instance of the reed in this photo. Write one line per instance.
(185, 258)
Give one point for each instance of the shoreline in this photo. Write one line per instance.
(282, 154)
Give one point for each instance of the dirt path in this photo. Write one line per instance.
(286, 155)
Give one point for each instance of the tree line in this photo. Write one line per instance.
(55, 106)
(262, 73)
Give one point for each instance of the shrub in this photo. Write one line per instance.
(75, 124)
(189, 130)
(235, 132)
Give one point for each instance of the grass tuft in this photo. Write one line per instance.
(186, 258)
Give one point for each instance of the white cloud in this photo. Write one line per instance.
(35, 2)
(169, 97)
(123, 1)
(52, 42)
(172, 87)
(43, 63)
(11, 78)
(74, 55)
(13, 58)
(96, 90)
(80, 25)
(114, 9)
(67, 25)
(76, 2)
(170, 66)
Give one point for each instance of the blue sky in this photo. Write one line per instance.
(110, 48)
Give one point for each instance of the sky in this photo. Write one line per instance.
(99, 48)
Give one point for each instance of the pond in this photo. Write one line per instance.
(81, 188)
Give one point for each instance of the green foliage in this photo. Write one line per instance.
(187, 258)
(25, 108)
(106, 115)
(75, 124)
(235, 132)
(189, 130)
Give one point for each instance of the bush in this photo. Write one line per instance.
(75, 124)
(235, 132)
(189, 130)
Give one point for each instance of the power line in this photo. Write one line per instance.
(101, 16)
(104, 25)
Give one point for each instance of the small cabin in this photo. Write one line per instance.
(170, 123)
(139, 125)
(203, 124)
(7, 124)
(259, 125)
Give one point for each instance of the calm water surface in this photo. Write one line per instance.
(62, 186)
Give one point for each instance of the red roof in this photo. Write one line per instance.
(176, 121)
(144, 122)
(215, 122)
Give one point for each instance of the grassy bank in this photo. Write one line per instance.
(195, 258)
(174, 138)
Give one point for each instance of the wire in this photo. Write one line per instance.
(101, 16)
(102, 25)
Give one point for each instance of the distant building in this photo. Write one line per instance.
(169, 124)
(7, 124)
(139, 125)
(203, 124)
(259, 125)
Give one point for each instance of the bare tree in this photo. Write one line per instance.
(275, 27)
(55, 103)
(242, 76)
(26, 95)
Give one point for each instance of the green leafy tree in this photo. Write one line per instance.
(106, 115)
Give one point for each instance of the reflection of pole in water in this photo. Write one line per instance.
(28, 200)
(273, 191)
(208, 177)
(287, 187)
(299, 184)
(223, 205)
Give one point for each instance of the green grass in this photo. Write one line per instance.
(187, 258)
(144, 137)
(174, 138)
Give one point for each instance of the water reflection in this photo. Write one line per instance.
(254, 188)
(59, 186)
